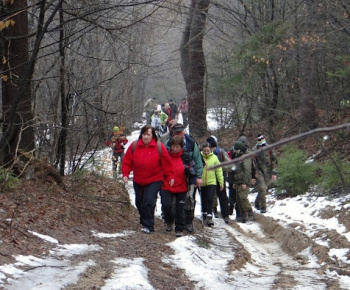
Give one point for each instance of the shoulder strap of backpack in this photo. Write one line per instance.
(221, 154)
(133, 146)
(159, 148)
(158, 145)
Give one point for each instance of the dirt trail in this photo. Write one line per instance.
(258, 260)
(259, 255)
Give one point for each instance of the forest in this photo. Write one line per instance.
(72, 70)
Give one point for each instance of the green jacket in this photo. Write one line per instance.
(243, 172)
(163, 118)
(209, 177)
(265, 164)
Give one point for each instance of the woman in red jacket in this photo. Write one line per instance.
(184, 169)
(151, 164)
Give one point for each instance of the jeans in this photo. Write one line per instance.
(145, 200)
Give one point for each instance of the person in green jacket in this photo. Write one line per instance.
(265, 168)
(209, 183)
(242, 180)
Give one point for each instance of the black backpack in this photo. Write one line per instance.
(189, 164)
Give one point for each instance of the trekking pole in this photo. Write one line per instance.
(200, 194)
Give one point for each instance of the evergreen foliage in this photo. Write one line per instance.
(295, 176)
(335, 173)
(8, 180)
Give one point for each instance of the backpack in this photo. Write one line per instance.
(187, 160)
(158, 145)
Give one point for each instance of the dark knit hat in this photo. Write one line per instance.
(239, 145)
(212, 142)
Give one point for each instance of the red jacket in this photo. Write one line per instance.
(117, 144)
(147, 165)
(170, 115)
(179, 174)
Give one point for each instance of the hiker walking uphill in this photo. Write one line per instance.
(242, 180)
(183, 109)
(174, 110)
(116, 141)
(149, 160)
(149, 107)
(192, 148)
(210, 179)
(233, 205)
(156, 122)
(173, 197)
(265, 165)
(221, 194)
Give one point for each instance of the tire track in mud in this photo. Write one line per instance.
(279, 258)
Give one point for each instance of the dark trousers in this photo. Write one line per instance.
(223, 199)
(173, 205)
(233, 200)
(145, 200)
(185, 119)
(207, 195)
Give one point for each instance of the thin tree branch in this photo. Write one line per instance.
(281, 142)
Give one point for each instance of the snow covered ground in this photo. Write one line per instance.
(205, 266)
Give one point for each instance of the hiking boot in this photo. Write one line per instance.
(263, 210)
(238, 215)
(215, 212)
(239, 219)
(244, 217)
(204, 217)
(189, 228)
(250, 216)
(257, 206)
(146, 231)
(178, 234)
(226, 220)
(210, 220)
(169, 227)
(231, 207)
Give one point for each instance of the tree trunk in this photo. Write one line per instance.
(17, 129)
(308, 83)
(62, 146)
(193, 65)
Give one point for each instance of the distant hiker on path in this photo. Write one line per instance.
(183, 109)
(149, 107)
(174, 109)
(116, 141)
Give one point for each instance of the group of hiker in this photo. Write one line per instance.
(160, 115)
(176, 168)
